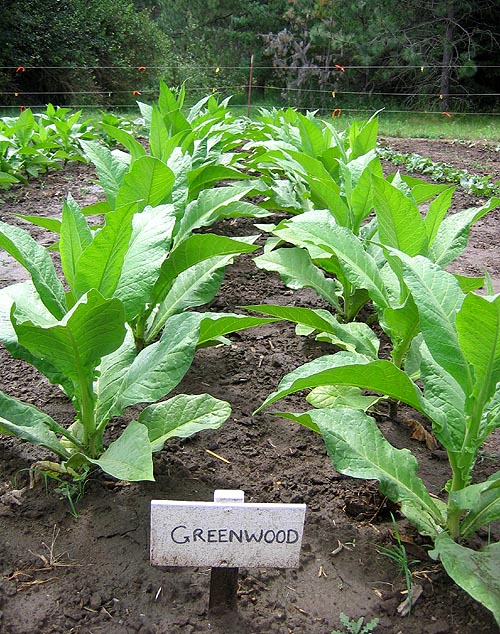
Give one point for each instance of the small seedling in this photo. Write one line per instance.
(356, 627)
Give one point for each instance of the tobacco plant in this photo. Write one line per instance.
(84, 345)
(346, 270)
(452, 376)
(33, 143)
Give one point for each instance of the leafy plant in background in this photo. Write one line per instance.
(312, 166)
(33, 143)
(451, 376)
(442, 172)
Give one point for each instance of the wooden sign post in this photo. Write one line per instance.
(226, 534)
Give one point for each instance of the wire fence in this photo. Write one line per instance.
(329, 97)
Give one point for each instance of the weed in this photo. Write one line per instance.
(356, 627)
(397, 553)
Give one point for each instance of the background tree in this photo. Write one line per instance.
(70, 44)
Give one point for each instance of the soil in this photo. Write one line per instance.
(91, 574)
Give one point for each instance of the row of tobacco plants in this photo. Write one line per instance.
(120, 328)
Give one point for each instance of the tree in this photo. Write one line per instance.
(66, 47)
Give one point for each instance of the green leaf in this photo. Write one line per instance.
(445, 402)
(27, 302)
(149, 182)
(29, 423)
(193, 287)
(437, 211)
(474, 571)
(75, 238)
(348, 368)
(51, 224)
(318, 229)
(468, 284)
(93, 328)
(126, 139)
(212, 204)
(36, 260)
(453, 234)
(438, 298)
(182, 416)
(482, 503)
(356, 337)
(151, 235)
(159, 367)
(100, 265)
(400, 224)
(358, 449)
(478, 326)
(297, 271)
(206, 176)
(213, 326)
(129, 457)
(335, 396)
(109, 169)
(111, 373)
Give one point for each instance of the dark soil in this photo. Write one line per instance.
(91, 575)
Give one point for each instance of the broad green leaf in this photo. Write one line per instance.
(478, 326)
(148, 247)
(356, 337)
(126, 139)
(361, 200)
(438, 298)
(93, 328)
(422, 191)
(36, 260)
(75, 238)
(400, 224)
(129, 457)
(202, 246)
(445, 402)
(334, 396)
(51, 224)
(109, 169)
(468, 284)
(212, 204)
(182, 416)
(159, 367)
(474, 571)
(482, 503)
(158, 135)
(29, 423)
(297, 271)
(28, 302)
(206, 176)
(100, 265)
(193, 287)
(358, 449)
(214, 326)
(110, 375)
(363, 140)
(453, 234)
(402, 325)
(348, 368)
(437, 211)
(149, 182)
(318, 229)
(194, 250)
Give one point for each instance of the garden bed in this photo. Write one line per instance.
(92, 574)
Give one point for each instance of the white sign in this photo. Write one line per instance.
(226, 533)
